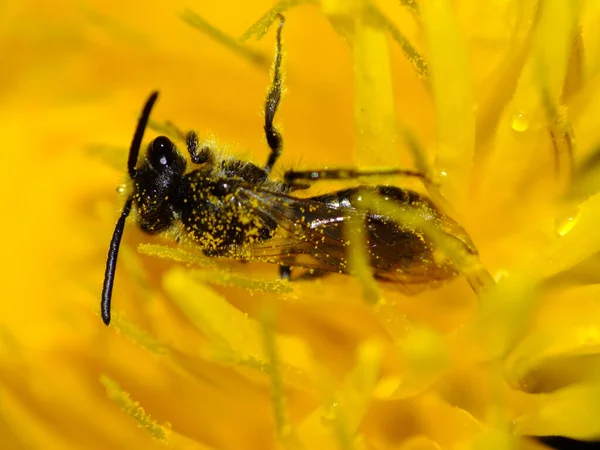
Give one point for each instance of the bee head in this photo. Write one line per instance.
(156, 184)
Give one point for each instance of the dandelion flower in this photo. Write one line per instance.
(496, 101)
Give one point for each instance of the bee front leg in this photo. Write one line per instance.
(197, 155)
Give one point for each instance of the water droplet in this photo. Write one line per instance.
(566, 221)
(330, 413)
(520, 122)
(121, 188)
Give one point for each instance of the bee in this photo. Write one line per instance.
(235, 209)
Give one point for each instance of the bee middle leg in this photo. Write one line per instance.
(293, 176)
(192, 142)
(274, 139)
(197, 155)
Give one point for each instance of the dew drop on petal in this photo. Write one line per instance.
(436, 177)
(566, 221)
(330, 413)
(439, 176)
(121, 189)
(520, 122)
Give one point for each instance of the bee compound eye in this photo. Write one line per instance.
(160, 152)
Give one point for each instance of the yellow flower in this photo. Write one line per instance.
(495, 100)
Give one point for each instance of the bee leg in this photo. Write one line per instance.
(291, 177)
(285, 272)
(198, 156)
(192, 142)
(274, 139)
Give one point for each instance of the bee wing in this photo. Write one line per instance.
(311, 234)
(403, 257)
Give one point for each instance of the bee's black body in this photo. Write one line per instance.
(232, 208)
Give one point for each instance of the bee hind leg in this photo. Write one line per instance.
(274, 138)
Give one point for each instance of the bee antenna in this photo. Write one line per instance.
(136, 143)
(111, 262)
(115, 242)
